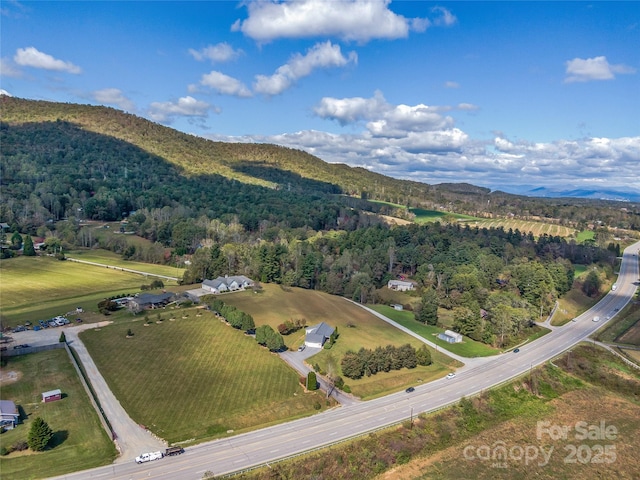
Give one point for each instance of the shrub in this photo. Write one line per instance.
(19, 446)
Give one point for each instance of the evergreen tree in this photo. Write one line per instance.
(28, 249)
(16, 241)
(62, 338)
(592, 284)
(423, 356)
(427, 311)
(39, 435)
(312, 381)
(275, 342)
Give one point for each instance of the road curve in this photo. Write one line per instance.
(269, 444)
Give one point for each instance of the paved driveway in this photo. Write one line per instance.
(297, 361)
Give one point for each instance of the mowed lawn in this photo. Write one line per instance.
(79, 440)
(34, 288)
(195, 378)
(467, 348)
(357, 328)
(110, 258)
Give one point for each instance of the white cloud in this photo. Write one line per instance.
(165, 112)
(451, 84)
(445, 17)
(220, 52)
(357, 20)
(321, 55)
(4, 92)
(450, 156)
(224, 84)
(384, 119)
(32, 57)
(8, 69)
(113, 96)
(351, 110)
(467, 106)
(596, 68)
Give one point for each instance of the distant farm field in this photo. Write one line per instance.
(195, 378)
(423, 216)
(110, 258)
(79, 440)
(524, 226)
(34, 288)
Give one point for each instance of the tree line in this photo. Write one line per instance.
(366, 362)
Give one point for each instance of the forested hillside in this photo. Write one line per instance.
(38, 129)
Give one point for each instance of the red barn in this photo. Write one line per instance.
(51, 396)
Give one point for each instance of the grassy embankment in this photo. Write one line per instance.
(357, 329)
(79, 441)
(445, 444)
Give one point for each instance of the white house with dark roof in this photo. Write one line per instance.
(229, 283)
(400, 285)
(317, 335)
(9, 415)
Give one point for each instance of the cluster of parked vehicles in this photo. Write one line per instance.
(52, 323)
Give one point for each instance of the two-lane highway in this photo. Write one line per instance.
(269, 444)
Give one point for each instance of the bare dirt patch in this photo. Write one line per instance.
(568, 457)
(9, 376)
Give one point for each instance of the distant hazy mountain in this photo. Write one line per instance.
(618, 194)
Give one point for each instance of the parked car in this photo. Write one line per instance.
(53, 324)
(410, 389)
(37, 328)
(301, 348)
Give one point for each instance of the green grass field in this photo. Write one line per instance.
(195, 378)
(109, 258)
(585, 235)
(423, 216)
(79, 440)
(34, 288)
(467, 348)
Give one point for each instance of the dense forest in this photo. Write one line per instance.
(283, 216)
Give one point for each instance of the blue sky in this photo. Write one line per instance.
(497, 94)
